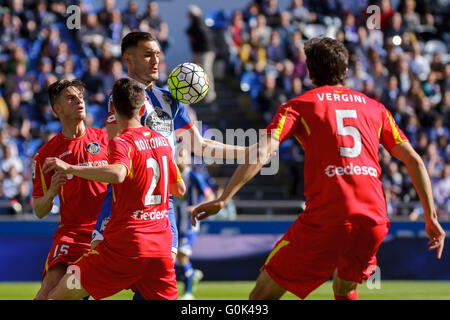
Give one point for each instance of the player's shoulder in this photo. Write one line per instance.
(48, 148)
(165, 95)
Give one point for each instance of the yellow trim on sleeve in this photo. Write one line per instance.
(275, 250)
(398, 139)
(62, 194)
(281, 124)
(113, 194)
(44, 185)
(306, 126)
(299, 141)
(179, 177)
(379, 131)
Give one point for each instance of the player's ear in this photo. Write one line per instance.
(111, 107)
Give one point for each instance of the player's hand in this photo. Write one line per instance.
(204, 210)
(436, 235)
(58, 179)
(53, 163)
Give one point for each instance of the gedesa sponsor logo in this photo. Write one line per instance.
(351, 169)
(151, 215)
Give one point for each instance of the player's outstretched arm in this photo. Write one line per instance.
(203, 147)
(43, 205)
(256, 156)
(419, 176)
(112, 173)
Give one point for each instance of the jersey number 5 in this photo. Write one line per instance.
(352, 131)
(155, 199)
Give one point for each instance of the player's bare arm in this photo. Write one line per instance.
(177, 189)
(421, 180)
(44, 204)
(113, 173)
(200, 146)
(262, 152)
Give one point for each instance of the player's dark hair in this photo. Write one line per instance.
(133, 38)
(55, 89)
(128, 97)
(327, 61)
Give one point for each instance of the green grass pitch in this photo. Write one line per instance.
(239, 290)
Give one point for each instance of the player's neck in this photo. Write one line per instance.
(148, 86)
(128, 124)
(73, 130)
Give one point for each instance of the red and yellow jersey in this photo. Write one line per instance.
(340, 131)
(139, 215)
(80, 199)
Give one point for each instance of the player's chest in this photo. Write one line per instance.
(86, 152)
(158, 115)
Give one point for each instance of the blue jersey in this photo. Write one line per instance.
(165, 115)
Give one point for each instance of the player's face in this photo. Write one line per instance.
(70, 104)
(145, 61)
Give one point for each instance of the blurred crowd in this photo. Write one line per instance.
(399, 58)
(399, 55)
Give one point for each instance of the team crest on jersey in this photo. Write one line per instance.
(160, 121)
(93, 148)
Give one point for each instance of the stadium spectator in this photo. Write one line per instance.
(93, 78)
(116, 29)
(300, 13)
(253, 55)
(18, 122)
(11, 183)
(269, 98)
(157, 26)
(10, 159)
(104, 14)
(202, 46)
(272, 13)
(92, 34)
(130, 16)
(21, 203)
(441, 191)
(5, 203)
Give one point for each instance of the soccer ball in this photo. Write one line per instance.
(188, 83)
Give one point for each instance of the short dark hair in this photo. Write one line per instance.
(327, 61)
(133, 38)
(128, 97)
(54, 90)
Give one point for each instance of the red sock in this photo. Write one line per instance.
(351, 296)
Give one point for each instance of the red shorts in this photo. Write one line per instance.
(104, 272)
(68, 246)
(306, 256)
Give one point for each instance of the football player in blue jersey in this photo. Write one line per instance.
(162, 113)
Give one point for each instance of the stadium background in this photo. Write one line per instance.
(234, 249)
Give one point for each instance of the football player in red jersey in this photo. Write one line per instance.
(80, 199)
(137, 245)
(345, 218)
